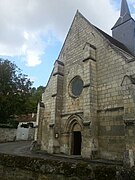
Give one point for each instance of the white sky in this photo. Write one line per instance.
(24, 23)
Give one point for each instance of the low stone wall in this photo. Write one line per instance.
(10, 134)
(7, 134)
(64, 170)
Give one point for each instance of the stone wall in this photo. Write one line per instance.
(7, 134)
(31, 167)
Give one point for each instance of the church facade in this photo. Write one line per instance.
(88, 107)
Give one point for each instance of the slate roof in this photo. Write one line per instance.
(122, 20)
(124, 14)
(114, 41)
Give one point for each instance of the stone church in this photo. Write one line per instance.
(88, 107)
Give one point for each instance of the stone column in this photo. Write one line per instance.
(55, 122)
(128, 92)
(37, 122)
(51, 139)
(90, 142)
(38, 131)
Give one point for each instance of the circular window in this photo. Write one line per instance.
(76, 86)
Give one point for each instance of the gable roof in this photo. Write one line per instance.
(105, 35)
(113, 41)
(26, 118)
(108, 37)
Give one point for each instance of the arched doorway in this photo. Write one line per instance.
(76, 139)
(76, 143)
(74, 128)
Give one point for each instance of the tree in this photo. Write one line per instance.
(34, 98)
(14, 91)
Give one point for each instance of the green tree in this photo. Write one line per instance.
(34, 98)
(14, 91)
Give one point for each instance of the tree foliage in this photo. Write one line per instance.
(14, 90)
(34, 98)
